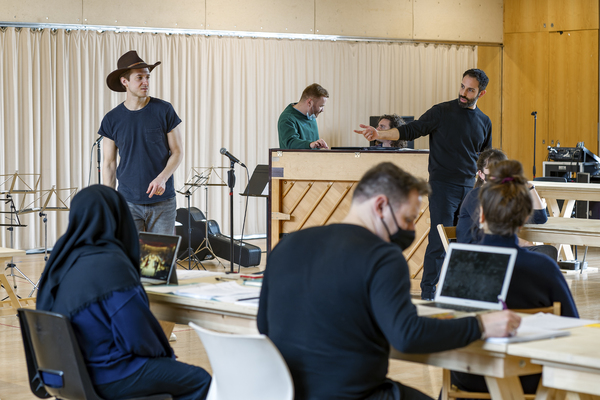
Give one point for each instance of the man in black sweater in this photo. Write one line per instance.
(458, 131)
(335, 297)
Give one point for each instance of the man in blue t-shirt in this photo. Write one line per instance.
(144, 130)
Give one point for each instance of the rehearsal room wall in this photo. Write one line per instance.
(441, 23)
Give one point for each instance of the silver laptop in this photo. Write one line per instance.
(475, 277)
(158, 256)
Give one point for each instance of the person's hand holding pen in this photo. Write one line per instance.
(499, 324)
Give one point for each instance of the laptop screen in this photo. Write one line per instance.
(157, 255)
(475, 273)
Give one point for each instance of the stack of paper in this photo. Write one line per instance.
(228, 292)
(542, 326)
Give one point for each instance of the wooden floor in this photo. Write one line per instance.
(13, 373)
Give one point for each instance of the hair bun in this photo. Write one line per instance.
(509, 171)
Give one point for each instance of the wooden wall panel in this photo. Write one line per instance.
(525, 89)
(181, 14)
(572, 14)
(525, 16)
(41, 11)
(489, 59)
(372, 18)
(573, 94)
(458, 20)
(285, 16)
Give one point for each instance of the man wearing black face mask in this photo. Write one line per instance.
(335, 297)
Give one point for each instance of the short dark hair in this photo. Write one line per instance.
(487, 158)
(314, 91)
(505, 198)
(395, 122)
(480, 76)
(388, 179)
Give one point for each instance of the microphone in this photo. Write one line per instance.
(534, 113)
(231, 156)
(99, 139)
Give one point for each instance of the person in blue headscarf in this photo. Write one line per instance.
(93, 277)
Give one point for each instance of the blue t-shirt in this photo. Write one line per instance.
(141, 137)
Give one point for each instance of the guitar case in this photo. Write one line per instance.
(250, 254)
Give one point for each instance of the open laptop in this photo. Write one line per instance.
(475, 277)
(158, 256)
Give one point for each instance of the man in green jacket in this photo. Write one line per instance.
(297, 124)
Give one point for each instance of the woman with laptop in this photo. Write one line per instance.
(93, 277)
(536, 280)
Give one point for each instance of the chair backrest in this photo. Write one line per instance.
(245, 367)
(52, 349)
(555, 309)
(446, 233)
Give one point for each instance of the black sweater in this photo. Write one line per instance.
(456, 137)
(333, 300)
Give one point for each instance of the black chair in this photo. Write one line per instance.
(54, 361)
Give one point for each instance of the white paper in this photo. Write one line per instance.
(554, 322)
(229, 292)
(184, 274)
(528, 333)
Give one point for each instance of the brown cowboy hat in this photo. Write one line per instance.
(129, 60)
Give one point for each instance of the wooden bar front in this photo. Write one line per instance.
(314, 188)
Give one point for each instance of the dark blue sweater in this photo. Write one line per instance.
(456, 137)
(333, 300)
(118, 335)
(467, 228)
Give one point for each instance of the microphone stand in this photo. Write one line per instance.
(231, 184)
(534, 138)
(98, 159)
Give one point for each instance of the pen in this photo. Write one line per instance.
(249, 298)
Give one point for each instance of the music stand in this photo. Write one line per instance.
(61, 205)
(16, 184)
(200, 177)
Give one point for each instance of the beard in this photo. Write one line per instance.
(468, 104)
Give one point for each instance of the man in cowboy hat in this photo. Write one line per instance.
(144, 130)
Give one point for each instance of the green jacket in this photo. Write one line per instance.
(296, 131)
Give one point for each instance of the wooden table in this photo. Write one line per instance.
(10, 306)
(218, 316)
(569, 192)
(570, 363)
(500, 369)
(573, 231)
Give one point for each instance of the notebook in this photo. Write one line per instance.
(475, 277)
(158, 258)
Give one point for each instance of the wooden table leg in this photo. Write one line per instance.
(167, 327)
(14, 300)
(505, 388)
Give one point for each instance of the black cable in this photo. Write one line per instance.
(243, 225)
(91, 157)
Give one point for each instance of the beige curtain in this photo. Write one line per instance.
(228, 91)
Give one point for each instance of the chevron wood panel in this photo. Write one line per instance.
(306, 192)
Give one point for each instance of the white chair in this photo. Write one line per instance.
(245, 367)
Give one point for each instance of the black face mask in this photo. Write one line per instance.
(402, 238)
